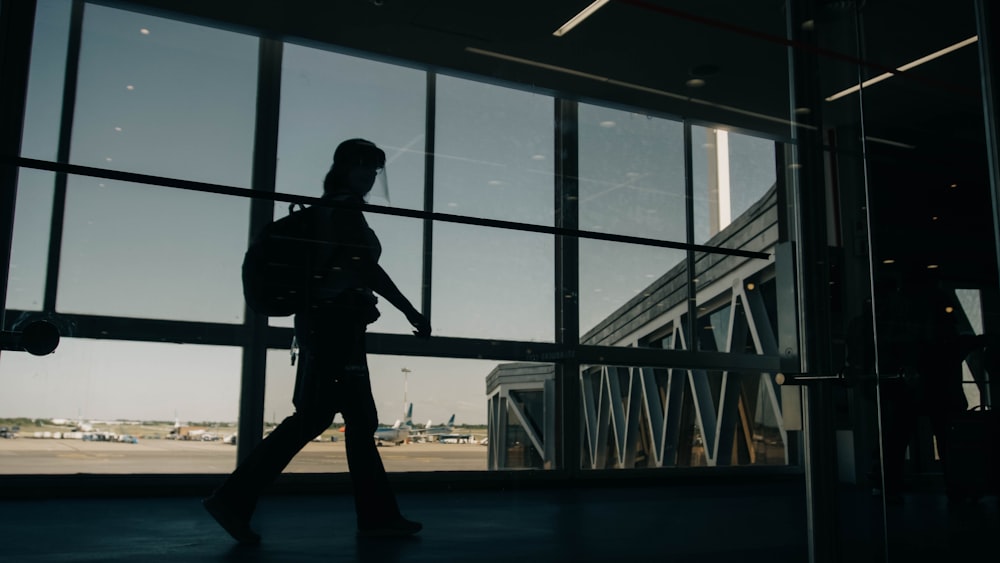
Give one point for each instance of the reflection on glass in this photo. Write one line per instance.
(445, 428)
(492, 283)
(327, 98)
(176, 101)
(144, 251)
(975, 378)
(30, 245)
(45, 80)
(100, 406)
(493, 152)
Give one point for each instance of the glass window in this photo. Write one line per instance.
(631, 183)
(625, 286)
(731, 172)
(492, 283)
(493, 152)
(102, 406)
(166, 98)
(327, 98)
(45, 80)
(135, 250)
(30, 245)
(443, 431)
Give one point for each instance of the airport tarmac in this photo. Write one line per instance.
(27, 456)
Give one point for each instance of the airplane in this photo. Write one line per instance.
(431, 432)
(398, 433)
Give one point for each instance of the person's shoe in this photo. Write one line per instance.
(236, 524)
(398, 528)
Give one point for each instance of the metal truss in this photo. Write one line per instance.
(622, 405)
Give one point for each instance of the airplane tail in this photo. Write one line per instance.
(409, 415)
(451, 421)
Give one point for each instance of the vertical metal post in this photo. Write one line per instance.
(17, 23)
(807, 186)
(265, 157)
(63, 154)
(430, 114)
(692, 306)
(987, 26)
(567, 284)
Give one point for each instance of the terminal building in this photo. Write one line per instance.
(708, 280)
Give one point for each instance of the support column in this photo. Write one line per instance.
(17, 23)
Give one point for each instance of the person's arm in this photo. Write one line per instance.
(381, 283)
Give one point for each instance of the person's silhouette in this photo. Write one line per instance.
(332, 373)
(923, 349)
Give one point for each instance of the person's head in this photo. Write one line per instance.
(356, 164)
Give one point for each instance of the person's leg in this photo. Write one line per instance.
(899, 419)
(374, 500)
(233, 503)
(375, 503)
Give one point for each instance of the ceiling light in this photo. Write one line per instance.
(949, 309)
(904, 68)
(130, 87)
(932, 266)
(695, 83)
(888, 261)
(888, 142)
(538, 157)
(577, 19)
(954, 185)
(144, 31)
(118, 129)
(608, 124)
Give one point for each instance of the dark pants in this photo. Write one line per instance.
(937, 394)
(332, 377)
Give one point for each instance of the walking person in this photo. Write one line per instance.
(332, 374)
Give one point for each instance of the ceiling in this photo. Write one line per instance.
(642, 53)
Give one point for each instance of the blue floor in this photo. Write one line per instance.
(691, 523)
(700, 522)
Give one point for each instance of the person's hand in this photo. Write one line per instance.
(420, 323)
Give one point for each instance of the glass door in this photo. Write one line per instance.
(914, 278)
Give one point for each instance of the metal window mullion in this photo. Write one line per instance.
(567, 285)
(986, 21)
(692, 308)
(265, 154)
(426, 283)
(16, 28)
(63, 154)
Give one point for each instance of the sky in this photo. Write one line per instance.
(177, 100)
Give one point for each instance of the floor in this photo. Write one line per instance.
(741, 522)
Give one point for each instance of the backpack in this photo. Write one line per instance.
(280, 263)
